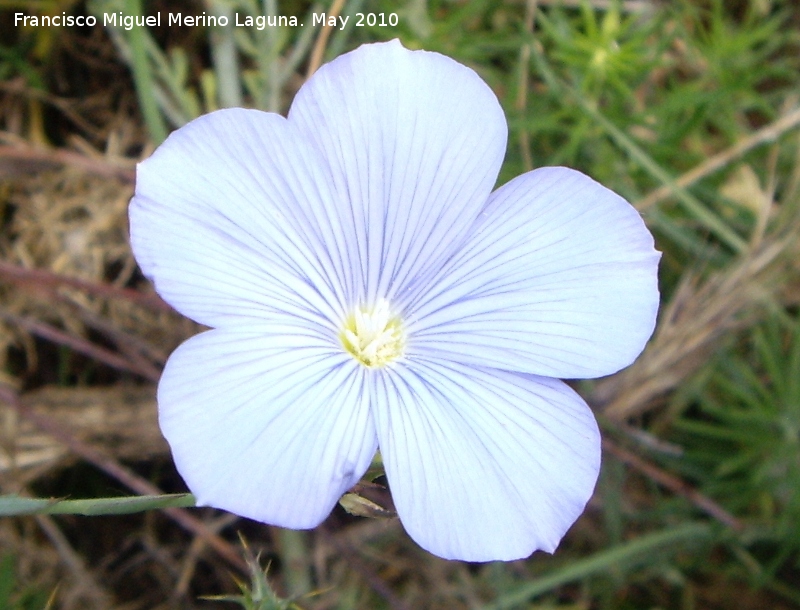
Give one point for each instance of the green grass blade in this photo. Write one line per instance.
(225, 57)
(13, 505)
(143, 77)
(637, 551)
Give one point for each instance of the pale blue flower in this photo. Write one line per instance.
(366, 289)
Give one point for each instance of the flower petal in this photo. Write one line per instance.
(559, 279)
(231, 219)
(414, 142)
(484, 465)
(264, 426)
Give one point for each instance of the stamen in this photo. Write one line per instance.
(373, 335)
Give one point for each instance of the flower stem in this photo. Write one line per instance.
(293, 551)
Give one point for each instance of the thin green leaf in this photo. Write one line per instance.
(13, 505)
(629, 554)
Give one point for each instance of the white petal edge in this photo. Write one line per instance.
(484, 465)
(414, 142)
(266, 425)
(231, 219)
(559, 278)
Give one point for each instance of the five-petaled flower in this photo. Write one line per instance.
(367, 290)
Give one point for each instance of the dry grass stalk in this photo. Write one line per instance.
(86, 593)
(767, 134)
(318, 52)
(699, 315)
(118, 420)
(28, 159)
(69, 224)
(675, 484)
(73, 224)
(67, 247)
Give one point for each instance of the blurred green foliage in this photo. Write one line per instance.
(741, 436)
(13, 595)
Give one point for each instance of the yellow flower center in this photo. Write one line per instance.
(373, 335)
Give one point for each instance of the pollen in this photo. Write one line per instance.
(374, 335)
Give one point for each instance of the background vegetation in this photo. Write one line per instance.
(689, 109)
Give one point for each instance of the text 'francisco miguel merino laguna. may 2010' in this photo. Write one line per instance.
(259, 22)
